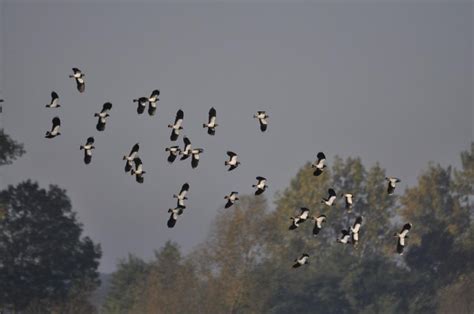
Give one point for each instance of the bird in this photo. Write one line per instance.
(318, 223)
(54, 101)
(402, 236)
(304, 212)
(195, 156)
(186, 152)
(103, 115)
(392, 183)
(152, 102)
(355, 231)
(176, 127)
(141, 104)
(261, 185)
(174, 151)
(231, 198)
(88, 147)
(348, 201)
(301, 261)
(182, 195)
(138, 171)
(79, 77)
(211, 124)
(345, 236)
(174, 214)
(330, 199)
(262, 118)
(131, 156)
(319, 164)
(232, 162)
(54, 129)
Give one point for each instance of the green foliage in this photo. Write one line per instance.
(42, 255)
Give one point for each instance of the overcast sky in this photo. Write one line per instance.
(386, 82)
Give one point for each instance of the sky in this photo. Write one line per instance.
(388, 82)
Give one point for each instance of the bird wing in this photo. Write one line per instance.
(106, 107)
(179, 116)
(231, 154)
(184, 190)
(212, 115)
(90, 141)
(331, 193)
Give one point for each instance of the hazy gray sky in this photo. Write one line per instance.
(386, 82)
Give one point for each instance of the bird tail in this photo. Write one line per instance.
(135, 100)
(204, 125)
(96, 114)
(71, 76)
(132, 172)
(124, 157)
(81, 147)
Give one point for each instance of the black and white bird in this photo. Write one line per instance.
(177, 126)
(262, 119)
(261, 185)
(345, 237)
(138, 171)
(181, 197)
(301, 261)
(173, 151)
(131, 157)
(88, 147)
(331, 199)
(174, 214)
(54, 101)
(348, 201)
(318, 223)
(319, 164)
(195, 152)
(402, 236)
(152, 102)
(186, 151)
(54, 129)
(79, 77)
(231, 199)
(297, 220)
(141, 104)
(211, 122)
(232, 162)
(103, 115)
(355, 231)
(392, 183)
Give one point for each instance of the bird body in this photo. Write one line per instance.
(319, 164)
(392, 183)
(232, 162)
(329, 201)
(196, 156)
(54, 129)
(348, 200)
(152, 102)
(262, 119)
(318, 224)
(88, 147)
(304, 213)
(103, 115)
(402, 236)
(174, 214)
(176, 127)
(79, 77)
(173, 151)
(138, 171)
(182, 195)
(301, 260)
(261, 185)
(186, 152)
(54, 103)
(211, 124)
(345, 236)
(231, 199)
(131, 157)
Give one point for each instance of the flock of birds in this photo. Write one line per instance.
(134, 166)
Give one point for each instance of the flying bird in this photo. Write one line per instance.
(330, 199)
(392, 183)
(141, 104)
(262, 118)
(195, 156)
(54, 129)
(355, 231)
(261, 185)
(152, 102)
(138, 171)
(173, 151)
(301, 261)
(174, 214)
(182, 195)
(345, 236)
(131, 157)
(402, 236)
(103, 115)
(79, 77)
(348, 200)
(319, 164)
(318, 224)
(231, 198)
(88, 147)
(232, 162)
(304, 212)
(186, 152)
(176, 127)
(54, 101)
(211, 124)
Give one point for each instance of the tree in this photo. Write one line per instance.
(42, 255)
(9, 149)
(125, 285)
